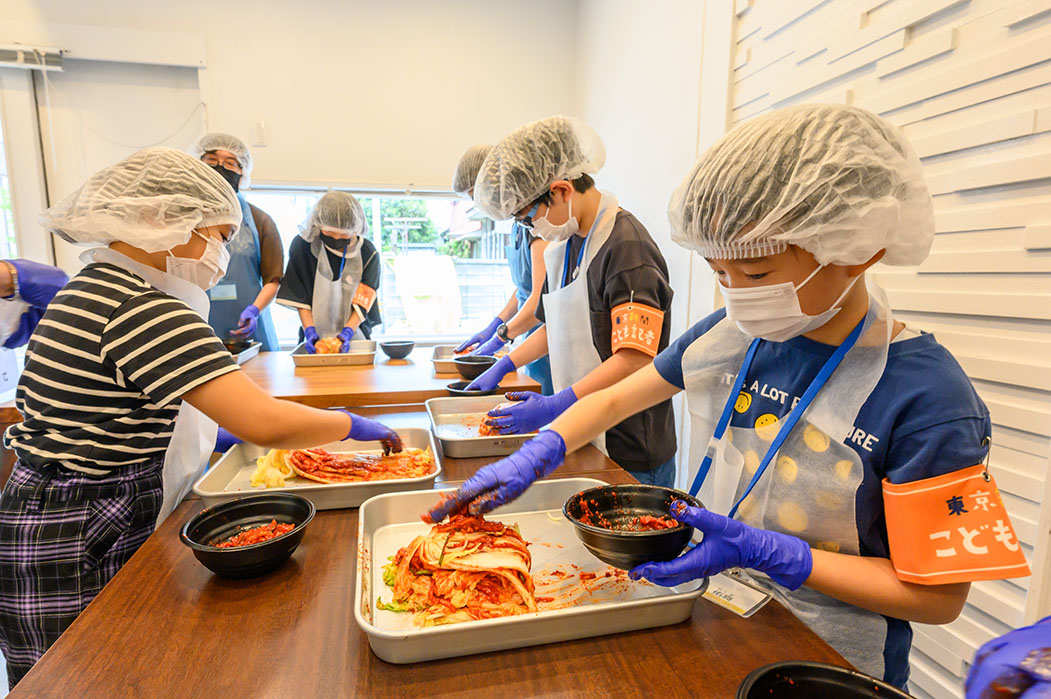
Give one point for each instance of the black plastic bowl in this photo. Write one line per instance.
(471, 366)
(399, 349)
(792, 679)
(619, 504)
(215, 524)
(459, 388)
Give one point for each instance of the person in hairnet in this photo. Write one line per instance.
(123, 385)
(257, 257)
(837, 450)
(26, 288)
(333, 274)
(525, 258)
(605, 297)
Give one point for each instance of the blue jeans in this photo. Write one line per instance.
(663, 475)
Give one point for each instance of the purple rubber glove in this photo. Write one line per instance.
(37, 283)
(481, 337)
(224, 441)
(248, 322)
(503, 481)
(345, 334)
(730, 544)
(1017, 664)
(530, 412)
(492, 376)
(27, 323)
(309, 338)
(489, 347)
(363, 429)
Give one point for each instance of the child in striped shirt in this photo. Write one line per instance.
(123, 385)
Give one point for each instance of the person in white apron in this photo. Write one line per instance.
(123, 386)
(333, 273)
(811, 408)
(239, 302)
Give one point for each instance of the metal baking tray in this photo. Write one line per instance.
(610, 603)
(248, 353)
(229, 477)
(361, 352)
(442, 359)
(447, 417)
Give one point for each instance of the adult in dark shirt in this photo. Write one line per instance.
(335, 293)
(606, 293)
(239, 301)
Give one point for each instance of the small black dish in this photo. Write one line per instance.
(214, 524)
(459, 388)
(619, 504)
(236, 346)
(399, 349)
(802, 680)
(473, 366)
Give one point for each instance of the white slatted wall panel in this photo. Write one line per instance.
(970, 83)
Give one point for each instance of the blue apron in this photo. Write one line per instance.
(520, 261)
(242, 283)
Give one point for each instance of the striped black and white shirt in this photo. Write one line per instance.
(104, 372)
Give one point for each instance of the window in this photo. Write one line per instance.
(8, 241)
(445, 270)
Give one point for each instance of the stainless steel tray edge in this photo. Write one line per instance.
(209, 487)
(362, 352)
(471, 447)
(508, 632)
(247, 353)
(442, 359)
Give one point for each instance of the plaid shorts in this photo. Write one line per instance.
(63, 536)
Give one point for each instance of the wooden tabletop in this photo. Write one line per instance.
(165, 626)
(387, 382)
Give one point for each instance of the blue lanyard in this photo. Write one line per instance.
(342, 263)
(565, 262)
(793, 417)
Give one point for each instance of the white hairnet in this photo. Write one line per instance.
(837, 181)
(335, 211)
(531, 158)
(468, 167)
(153, 199)
(224, 141)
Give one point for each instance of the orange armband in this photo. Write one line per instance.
(951, 528)
(364, 297)
(637, 326)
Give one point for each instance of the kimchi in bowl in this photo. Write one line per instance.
(628, 525)
(217, 525)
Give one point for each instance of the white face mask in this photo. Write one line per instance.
(204, 272)
(773, 312)
(545, 230)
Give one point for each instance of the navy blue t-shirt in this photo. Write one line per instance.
(923, 419)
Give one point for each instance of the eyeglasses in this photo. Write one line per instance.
(527, 220)
(229, 163)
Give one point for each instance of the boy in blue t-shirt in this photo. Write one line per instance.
(814, 413)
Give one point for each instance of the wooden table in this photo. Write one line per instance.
(165, 626)
(387, 382)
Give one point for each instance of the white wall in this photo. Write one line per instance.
(638, 80)
(970, 84)
(364, 92)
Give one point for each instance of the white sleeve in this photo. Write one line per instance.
(10, 313)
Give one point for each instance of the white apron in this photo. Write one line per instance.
(810, 486)
(332, 299)
(567, 312)
(194, 435)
